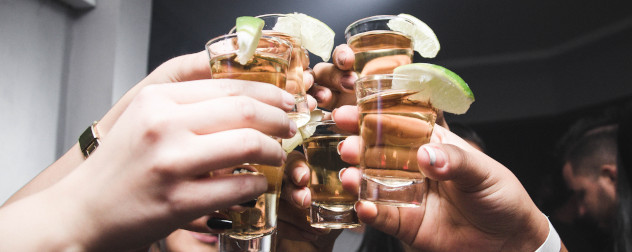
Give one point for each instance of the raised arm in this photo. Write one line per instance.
(183, 68)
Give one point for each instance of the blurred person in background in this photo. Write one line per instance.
(596, 214)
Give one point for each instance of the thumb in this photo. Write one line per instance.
(470, 170)
(344, 57)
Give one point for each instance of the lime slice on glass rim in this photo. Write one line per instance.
(303, 132)
(248, 35)
(316, 36)
(443, 88)
(425, 41)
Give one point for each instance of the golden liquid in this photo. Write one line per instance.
(325, 164)
(251, 222)
(295, 70)
(393, 128)
(261, 68)
(294, 84)
(379, 52)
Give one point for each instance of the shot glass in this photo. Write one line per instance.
(377, 48)
(332, 206)
(269, 65)
(294, 84)
(392, 127)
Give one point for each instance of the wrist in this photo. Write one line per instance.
(553, 243)
(532, 233)
(44, 222)
(69, 219)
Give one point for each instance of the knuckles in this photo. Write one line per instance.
(252, 143)
(231, 88)
(246, 109)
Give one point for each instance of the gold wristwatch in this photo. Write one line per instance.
(89, 140)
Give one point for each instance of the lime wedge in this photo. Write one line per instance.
(315, 35)
(303, 132)
(248, 35)
(289, 144)
(443, 88)
(425, 41)
(288, 25)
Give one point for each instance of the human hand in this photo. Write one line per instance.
(473, 202)
(150, 174)
(183, 68)
(294, 230)
(334, 82)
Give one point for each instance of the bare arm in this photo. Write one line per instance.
(148, 176)
(184, 68)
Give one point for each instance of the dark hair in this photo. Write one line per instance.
(377, 241)
(469, 134)
(583, 127)
(591, 151)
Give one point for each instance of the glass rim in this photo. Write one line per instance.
(233, 30)
(272, 15)
(372, 77)
(231, 35)
(373, 18)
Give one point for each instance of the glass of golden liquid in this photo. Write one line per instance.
(332, 206)
(270, 65)
(392, 127)
(378, 49)
(294, 85)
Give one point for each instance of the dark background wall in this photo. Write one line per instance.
(521, 58)
(534, 66)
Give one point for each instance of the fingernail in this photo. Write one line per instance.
(298, 178)
(436, 156)
(340, 173)
(432, 155)
(320, 95)
(293, 128)
(305, 192)
(251, 203)
(217, 223)
(333, 117)
(339, 146)
(355, 206)
(289, 100)
(348, 81)
(342, 57)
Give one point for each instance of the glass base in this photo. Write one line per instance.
(393, 192)
(334, 216)
(265, 243)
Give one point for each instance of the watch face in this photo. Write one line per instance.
(89, 140)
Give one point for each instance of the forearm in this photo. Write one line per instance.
(49, 176)
(43, 223)
(74, 157)
(188, 67)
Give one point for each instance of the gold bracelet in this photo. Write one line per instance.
(89, 140)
